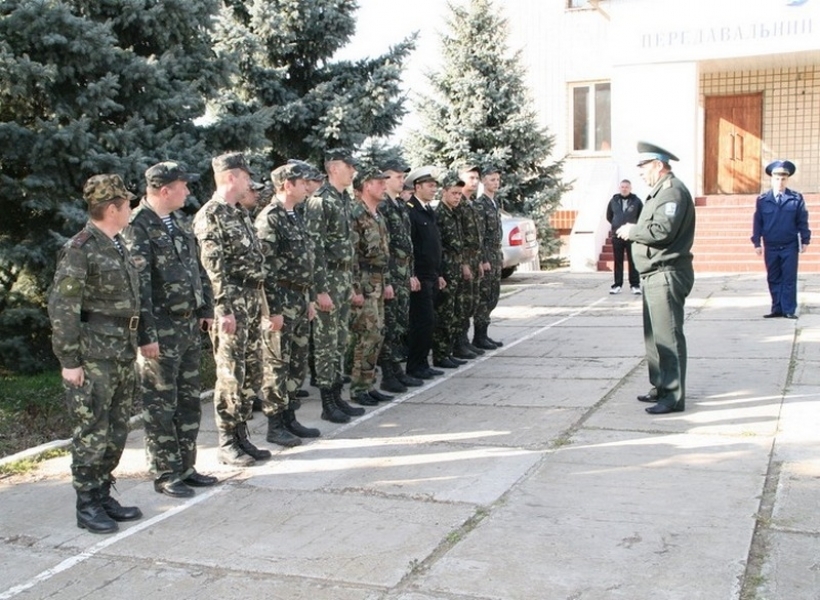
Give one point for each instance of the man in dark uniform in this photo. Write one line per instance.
(94, 306)
(782, 222)
(427, 268)
(177, 302)
(623, 207)
(662, 248)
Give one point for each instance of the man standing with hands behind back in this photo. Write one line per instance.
(782, 222)
(662, 247)
(624, 207)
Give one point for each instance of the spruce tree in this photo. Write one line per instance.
(283, 51)
(88, 87)
(480, 111)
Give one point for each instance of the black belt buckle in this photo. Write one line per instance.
(133, 323)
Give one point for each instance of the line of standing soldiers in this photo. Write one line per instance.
(132, 292)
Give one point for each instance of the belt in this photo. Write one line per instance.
(338, 265)
(187, 314)
(296, 287)
(129, 323)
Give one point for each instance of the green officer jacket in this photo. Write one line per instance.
(665, 231)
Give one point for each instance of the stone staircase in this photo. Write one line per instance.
(722, 244)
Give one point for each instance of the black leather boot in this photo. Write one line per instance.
(113, 508)
(244, 441)
(390, 382)
(295, 427)
(278, 434)
(466, 342)
(342, 405)
(406, 379)
(330, 412)
(230, 452)
(91, 515)
(480, 339)
(462, 350)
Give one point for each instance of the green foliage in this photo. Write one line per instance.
(480, 111)
(283, 52)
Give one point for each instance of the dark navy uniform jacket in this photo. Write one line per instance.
(779, 225)
(426, 240)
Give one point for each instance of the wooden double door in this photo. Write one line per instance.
(734, 127)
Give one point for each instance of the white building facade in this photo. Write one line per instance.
(726, 85)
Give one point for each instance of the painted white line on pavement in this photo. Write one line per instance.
(108, 541)
(470, 365)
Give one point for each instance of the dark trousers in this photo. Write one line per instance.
(619, 248)
(421, 325)
(664, 294)
(781, 275)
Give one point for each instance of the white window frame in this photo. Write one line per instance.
(592, 119)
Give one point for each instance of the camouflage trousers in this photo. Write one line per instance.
(253, 359)
(286, 355)
(170, 387)
(447, 315)
(331, 331)
(468, 297)
(396, 315)
(100, 409)
(489, 291)
(231, 351)
(367, 331)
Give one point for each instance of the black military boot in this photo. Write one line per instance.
(91, 515)
(330, 412)
(278, 434)
(244, 441)
(295, 427)
(480, 338)
(113, 508)
(466, 341)
(230, 452)
(390, 382)
(341, 403)
(404, 378)
(462, 351)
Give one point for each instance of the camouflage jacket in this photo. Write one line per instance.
(491, 219)
(472, 227)
(229, 251)
(328, 221)
(371, 244)
(398, 225)
(452, 240)
(172, 280)
(94, 296)
(288, 252)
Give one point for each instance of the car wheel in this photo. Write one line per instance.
(507, 272)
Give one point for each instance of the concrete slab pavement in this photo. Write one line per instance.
(532, 473)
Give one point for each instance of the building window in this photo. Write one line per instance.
(591, 118)
(577, 4)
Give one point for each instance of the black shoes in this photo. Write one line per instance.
(408, 380)
(445, 363)
(392, 384)
(790, 316)
(199, 480)
(174, 488)
(378, 396)
(662, 409)
(647, 398)
(773, 315)
(365, 399)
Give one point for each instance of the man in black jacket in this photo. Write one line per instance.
(427, 268)
(624, 207)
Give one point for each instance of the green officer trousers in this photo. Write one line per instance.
(664, 295)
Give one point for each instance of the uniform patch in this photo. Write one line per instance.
(670, 208)
(139, 262)
(70, 286)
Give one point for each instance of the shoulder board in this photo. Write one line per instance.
(79, 240)
(409, 204)
(666, 184)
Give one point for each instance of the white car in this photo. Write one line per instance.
(519, 242)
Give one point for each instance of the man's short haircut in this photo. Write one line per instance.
(97, 211)
(626, 181)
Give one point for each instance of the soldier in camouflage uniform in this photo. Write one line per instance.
(176, 301)
(452, 269)
(492, 259)
(371, 284)
(288, 254)
(233, 260)
(472, 225)
(328, 219)
(397, 310)
(94, 310)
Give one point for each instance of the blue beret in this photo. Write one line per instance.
(784, 167)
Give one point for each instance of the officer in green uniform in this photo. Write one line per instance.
(94, 306)
(662, 249)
